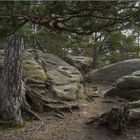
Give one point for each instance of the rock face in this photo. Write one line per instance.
(127, 87)
(80, 62)
(65, 81)
(111, 73)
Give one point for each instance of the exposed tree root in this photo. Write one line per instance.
(64, 108)
(33, 81)
(53, 105)
(94, 95)
(36, 116)
(134, 104)
(58, 115)
(32, 113)
(118, 118)
(115, 119)
(96, 89)
(40, 104)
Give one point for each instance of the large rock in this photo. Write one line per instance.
(82, 63)
(109, 74)
(66, 82)
(127, 87)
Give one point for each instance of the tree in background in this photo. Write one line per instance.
(120, 47)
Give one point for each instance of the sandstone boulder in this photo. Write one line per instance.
(111, 73)
(80, 62)
(127, 87)
(65, 81)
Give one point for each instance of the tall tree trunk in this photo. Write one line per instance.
(95, 57)
(95, 52)
(138, 39)
(12, 93)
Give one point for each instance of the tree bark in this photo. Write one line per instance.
(95, 57)
(12, 91)
(95, 52)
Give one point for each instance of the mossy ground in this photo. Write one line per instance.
(11, 126)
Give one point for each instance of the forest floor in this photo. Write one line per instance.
(73, 126)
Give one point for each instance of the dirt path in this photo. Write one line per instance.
(72, 127)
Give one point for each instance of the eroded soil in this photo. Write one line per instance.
(73, 127)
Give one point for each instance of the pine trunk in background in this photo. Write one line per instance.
(11, 89)
(138, 39)
(95, 52)
(95, 57)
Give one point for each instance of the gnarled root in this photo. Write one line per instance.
(32, 113)
(40, 104)
(95, 91)
(115, 119)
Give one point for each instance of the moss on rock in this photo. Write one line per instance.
(33, 70)
(65, 81)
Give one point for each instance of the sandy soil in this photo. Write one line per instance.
(73, 127)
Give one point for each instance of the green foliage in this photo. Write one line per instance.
(103, 17)
(121, 47)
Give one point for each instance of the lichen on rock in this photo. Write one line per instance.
(65, 81)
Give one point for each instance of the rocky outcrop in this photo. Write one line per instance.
(65, 80)
(66, 83)
(41, 70)
(111, 73)
(127, 87)
(80, 62)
